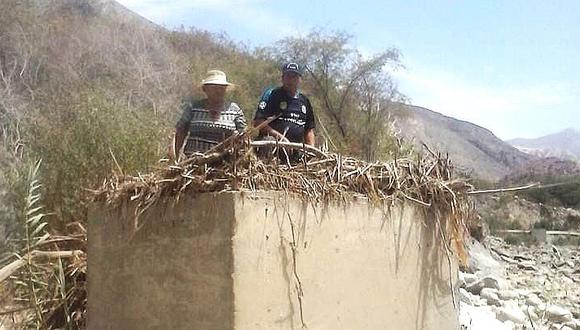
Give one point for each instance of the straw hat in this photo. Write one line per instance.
(216, 77)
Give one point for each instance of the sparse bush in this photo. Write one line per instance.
(482, 184)
(519, 239)
(498, 222)
(99, 138)
(543, 224)
(566, 193)
(566, 240)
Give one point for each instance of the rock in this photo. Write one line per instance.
(486, 282)
(558, 314)
(465, 296)
(533, 300)
(508, 295)
(532, 315)
(528, 265)
(574, 324)
(479, 318)
(562, 263)
(509, 313)
(556, 252)
(510, 324)
(478, 301)
(466, 278)
(533, 275)
(567, 280)
(491, 296)
(522, 292)
(557, 326)
(461, 282)
(481, 260)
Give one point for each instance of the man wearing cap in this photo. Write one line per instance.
(207, 122)
(295, 121)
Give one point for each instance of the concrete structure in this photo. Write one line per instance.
(267, 261)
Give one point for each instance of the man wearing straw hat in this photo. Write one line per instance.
(295, 118)
(205, 123)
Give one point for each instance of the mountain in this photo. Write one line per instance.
(474, 149)
(541, 169)
(564, 145)
(109, 9)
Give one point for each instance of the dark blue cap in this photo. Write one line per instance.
(292, 67)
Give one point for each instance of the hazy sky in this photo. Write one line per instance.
(510, 66)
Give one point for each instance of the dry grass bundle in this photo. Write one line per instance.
(317, 177)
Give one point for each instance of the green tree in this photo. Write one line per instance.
(352, 90)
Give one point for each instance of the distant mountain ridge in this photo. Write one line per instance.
(563, 145)
(103, 8)
(475, 149)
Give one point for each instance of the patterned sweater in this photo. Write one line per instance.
(204, 131)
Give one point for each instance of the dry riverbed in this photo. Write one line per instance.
(519, 287)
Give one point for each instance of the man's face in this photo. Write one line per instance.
(291, 80)
(215, 92)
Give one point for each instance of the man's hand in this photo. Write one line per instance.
(309, 138)
(177, 143)
(282, 138)
(270, 131)
(277, 135)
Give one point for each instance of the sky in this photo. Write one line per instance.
(510, 66)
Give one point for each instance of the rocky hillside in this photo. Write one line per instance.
(564, 145)
(473, 148)
(541, 168)
(514, 212)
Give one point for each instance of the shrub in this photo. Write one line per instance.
(96, 138)
(566, 193)
(520, 239)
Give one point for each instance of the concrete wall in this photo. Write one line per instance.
(235, 261)
(174, 273)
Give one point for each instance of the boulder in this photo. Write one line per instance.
(533, 300)
(490, 281)
(532, 315)
(465, 296)
(479, 318)
(557, 313)
(557, 326)
(508, 295)
(510, 313)
(574, 324)
(466, 279)
(481, 260)
(528, 265)
(490, 295)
